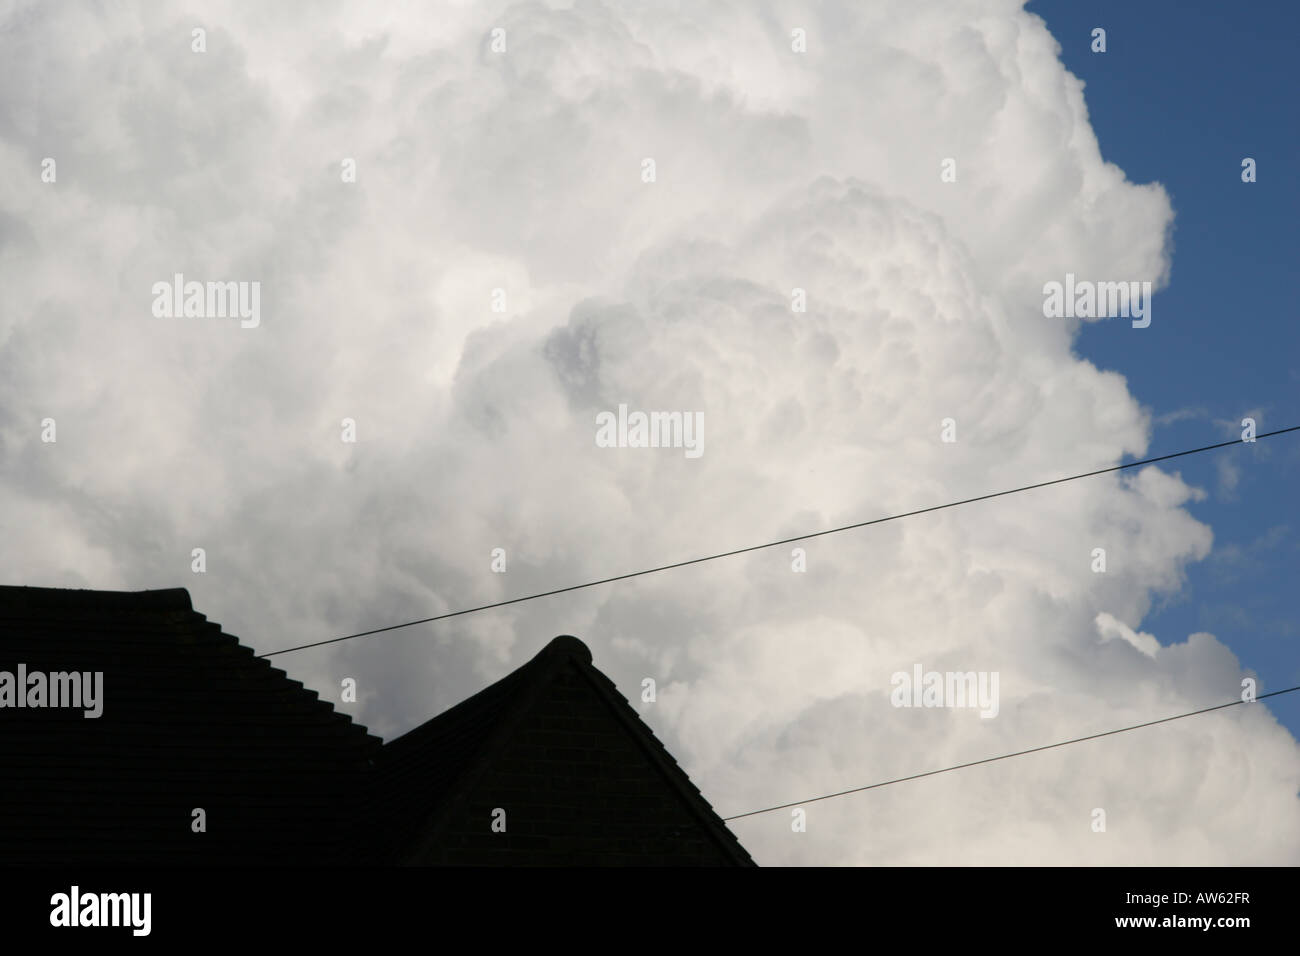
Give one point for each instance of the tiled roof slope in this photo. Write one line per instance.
(581, 778)
(191, 718)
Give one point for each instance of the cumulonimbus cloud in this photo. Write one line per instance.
(523, 171)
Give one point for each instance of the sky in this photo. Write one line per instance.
(1182, 93)
(824, 231)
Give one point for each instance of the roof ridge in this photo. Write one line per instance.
(85, 599)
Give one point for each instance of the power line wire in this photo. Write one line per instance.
(1018, 753)
(769, 544)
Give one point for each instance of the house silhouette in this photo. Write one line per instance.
(205, 754)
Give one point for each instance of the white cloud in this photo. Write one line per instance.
(476, 429)
(1109, 628)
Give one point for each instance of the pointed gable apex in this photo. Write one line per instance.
(548, 766)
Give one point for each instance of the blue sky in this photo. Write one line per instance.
(1183, 92)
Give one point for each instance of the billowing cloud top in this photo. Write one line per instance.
(822, 229)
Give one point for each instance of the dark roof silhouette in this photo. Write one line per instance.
(581, 778)
(193, 719)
